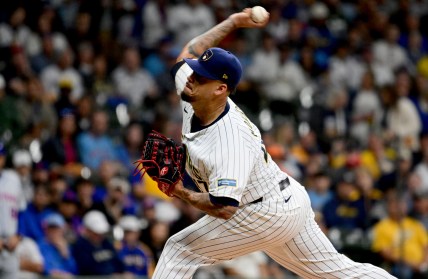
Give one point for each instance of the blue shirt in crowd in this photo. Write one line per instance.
(30, 222)
(135, 260)
(94, 150)
(54, 261)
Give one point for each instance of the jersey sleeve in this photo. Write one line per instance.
(180, 71)
(232, 162)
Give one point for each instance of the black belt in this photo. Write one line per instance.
(282, 185)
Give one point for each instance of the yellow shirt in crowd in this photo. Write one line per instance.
(407, 238)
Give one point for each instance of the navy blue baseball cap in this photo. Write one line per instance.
(218, 64)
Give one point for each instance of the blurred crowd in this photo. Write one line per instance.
(338, 88)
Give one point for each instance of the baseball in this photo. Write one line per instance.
(259, 14)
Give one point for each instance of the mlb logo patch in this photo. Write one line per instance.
(225, 182)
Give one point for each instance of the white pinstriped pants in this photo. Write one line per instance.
(287, 232)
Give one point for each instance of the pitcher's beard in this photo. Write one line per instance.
(186, 97)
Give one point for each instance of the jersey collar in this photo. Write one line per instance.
(196, 127)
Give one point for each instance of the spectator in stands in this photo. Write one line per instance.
(117, 202)
(57, 187)
(107, 171)
(336, 116)
(278, 26)
(366, 110)
(420, 208)
(388, 52)
(18, 71)
(377, 157)
(30, 220)
(264, 67)
(401, 240)
(287, 84)
(421, 169)
(58, 260)
(85, 62)
(65, 100)
(318, 34)
(133, 83)
(61, 70)
(23, 164)
(101, 84)
(345, 70)
(306, 146)
(85, 190)
(188, 19)
(46, 41)
(45, 56)
(68, 208)
(31, 263)
(320, 191)
(15, 32)
(403, 83)
(135, 256)
(295, 33)
(36, 110)
(345, 211)
(154, 16)
(80, 32)
(158, 233)
(284, 159)
(93, 252)
(371, 196)
(402, 120)
(133, 142)
(96, 145)
(383, 75)
(420, 100)
(11, 202)
(60, 153)
(10, 121)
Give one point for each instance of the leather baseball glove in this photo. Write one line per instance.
(163, 160)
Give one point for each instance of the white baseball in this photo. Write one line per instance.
(259, 14)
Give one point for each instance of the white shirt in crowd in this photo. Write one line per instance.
(187, 22)
(134, 86)
(52, 75)
(403, 120)
(391, 55)
(27, 249)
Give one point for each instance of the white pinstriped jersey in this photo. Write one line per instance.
(227, 158)
(11, 201)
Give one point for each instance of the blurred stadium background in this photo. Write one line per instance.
(338, 88)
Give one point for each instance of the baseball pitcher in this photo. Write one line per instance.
(251, 204)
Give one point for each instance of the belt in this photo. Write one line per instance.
(282, 185)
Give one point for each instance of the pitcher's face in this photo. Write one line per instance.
(198, 87)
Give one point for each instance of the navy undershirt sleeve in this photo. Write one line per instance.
(175, 68)
(224, 201)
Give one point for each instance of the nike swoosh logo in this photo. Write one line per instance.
(287, 199)
(185, 110)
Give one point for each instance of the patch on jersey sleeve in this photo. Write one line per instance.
(226, 182)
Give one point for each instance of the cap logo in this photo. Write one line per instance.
(225, 76)
(207, 55)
